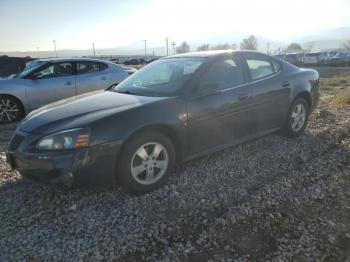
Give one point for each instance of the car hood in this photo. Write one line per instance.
(80, 111)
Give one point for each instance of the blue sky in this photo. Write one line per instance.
(75, 24)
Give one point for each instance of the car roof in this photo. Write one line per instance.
(213, 53)
(61, 59)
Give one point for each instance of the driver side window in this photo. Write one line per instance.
(47, 72)
(226, 73)
(55, 70)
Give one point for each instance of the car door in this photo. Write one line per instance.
(237, 99)
(215, 115)
(53, 82)
(270, 91)
(91, 76)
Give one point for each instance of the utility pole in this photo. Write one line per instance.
(37, 50)
(145, 41)
(167, 45)
(54, 43)
(268, 47)
(174, 44)
(93, 49)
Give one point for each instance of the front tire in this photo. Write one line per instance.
(297, 118)
(146, 162)
(11, 109)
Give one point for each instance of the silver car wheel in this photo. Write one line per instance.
(149, 163)
(8, 110)
(298, 117)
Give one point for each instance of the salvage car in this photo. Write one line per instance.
(339, 59)
(47, 80)
(312, 58)
(172, 110)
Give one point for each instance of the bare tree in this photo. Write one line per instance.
(294, 46)
(250, 43)
(346, 45)
(204, 47)
(183, 48)
(225, 46)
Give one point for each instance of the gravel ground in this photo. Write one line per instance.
(272, 199)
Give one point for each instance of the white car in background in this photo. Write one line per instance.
(312, 58)
(47, 80)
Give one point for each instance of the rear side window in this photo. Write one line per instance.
(103, 66)
(226, 72)
(86, 67)
(276, 66)
(259, 67)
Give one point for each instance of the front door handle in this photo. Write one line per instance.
(243, 96)
(285, 84)
(68, 83)
(103, 78)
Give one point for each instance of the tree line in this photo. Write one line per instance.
(251, 43)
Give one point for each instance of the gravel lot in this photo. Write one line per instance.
(272, 199)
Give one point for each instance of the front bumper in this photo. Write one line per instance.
(91, 166)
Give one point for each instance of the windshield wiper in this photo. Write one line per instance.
(125, 92)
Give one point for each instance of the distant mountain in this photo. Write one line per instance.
(327, 39)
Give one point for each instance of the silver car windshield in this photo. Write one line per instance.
(161, 78)
(31, 66)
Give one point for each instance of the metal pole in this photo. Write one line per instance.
(37, 49)
(54, 43)
(145, 47)
(173, 44)
(93, 48)
(167, 45)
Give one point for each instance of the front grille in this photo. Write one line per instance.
(15, 142)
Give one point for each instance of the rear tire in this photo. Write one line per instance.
(146, 162)
(11, 109)
(297, 118)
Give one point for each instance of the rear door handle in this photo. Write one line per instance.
(285, 84)
(68, 83)
(243, 96)
(103, 78)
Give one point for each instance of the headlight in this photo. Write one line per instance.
(68, 139)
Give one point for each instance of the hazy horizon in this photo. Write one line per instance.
(31, 25)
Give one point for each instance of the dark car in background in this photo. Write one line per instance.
(135, 61)
(172, 110)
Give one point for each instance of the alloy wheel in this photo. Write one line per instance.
(8, 110)
(149, 163)
(298, 117)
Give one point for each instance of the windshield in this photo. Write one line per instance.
(161, 78)
(30, 66)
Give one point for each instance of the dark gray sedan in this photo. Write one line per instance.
(172, 110)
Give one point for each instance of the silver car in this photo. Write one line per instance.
(47, 80)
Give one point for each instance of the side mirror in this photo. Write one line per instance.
(208, 88)
(36, 76)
